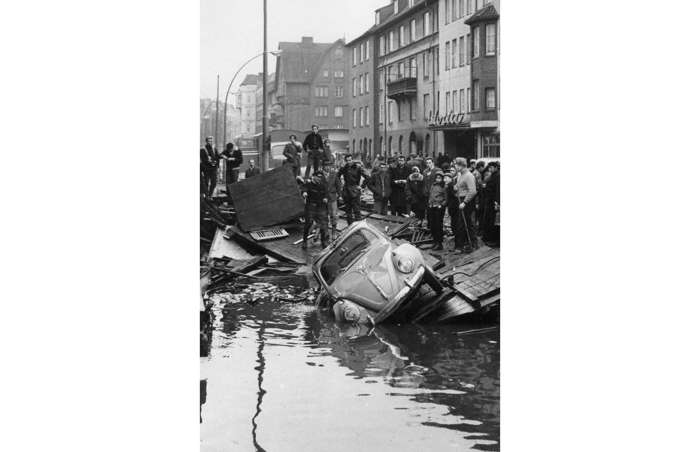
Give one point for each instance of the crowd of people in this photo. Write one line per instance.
(432, 190)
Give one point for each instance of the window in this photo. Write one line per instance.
(362, 53)
(367, 115)
(339, 53)
(321, 91)
(354, 56)
(475, 95)
(425, 64)
(437, 99)
(390, 107)
(377, 18)
(447, 11)
(437, 60)
(491, 146)
(381, 113)
(470, 7)
(398, 111)
(469, 99)
(461, 51)
(402, 35)
(382, 43)
(338, 112)
(461, 8)
(354, 118)
(354, 87)
(461, 100)
(413, 30)
(367, 82)
(390, 74)
(426, 23)
(338, 74)
(454, 10)
(399, 73)
(413, 107)
(321, 111)
(491, 39)
(380, 77)
(454, 53)
(362, 85)
(339, 91)
(412, 68)
(426, 105)
(367, 50)
(475, 41)
(490, 98)
(447, 56)
(396, 6)
(391, 41)
(411, 3)
(362, 116)
(455, 101)
(447, 102)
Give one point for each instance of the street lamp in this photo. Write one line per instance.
(272, 52)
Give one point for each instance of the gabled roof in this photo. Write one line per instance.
(250, 79)
(484, 14)
(299, 60)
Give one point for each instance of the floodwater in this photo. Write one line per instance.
(280, 376)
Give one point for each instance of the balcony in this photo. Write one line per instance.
(403, 87)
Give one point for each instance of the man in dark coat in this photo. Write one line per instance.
(234, 160)
(252, 170)
(399, 176)
(429, 178)
(334, 189)
(292, 153)
(313, 145)
(209, 166)
(352, 174)
(315, 192)
(415, 193)
(492, 200)
(380, 185)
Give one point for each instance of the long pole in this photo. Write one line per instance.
(216, 124)
(264, 93)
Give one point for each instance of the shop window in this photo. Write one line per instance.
(491, 146)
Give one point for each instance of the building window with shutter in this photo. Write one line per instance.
(491, 39)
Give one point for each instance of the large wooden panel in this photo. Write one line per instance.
(268, 199)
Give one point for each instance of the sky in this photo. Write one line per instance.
(231, 32)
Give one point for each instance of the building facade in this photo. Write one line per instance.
(246, 102)
(406, 83)
(361, 91)
(310, 85)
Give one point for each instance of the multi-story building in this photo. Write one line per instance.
(309, 85)
(259, 103)
(406, 82)
(484, 111)
(245, 101)
(361, 89)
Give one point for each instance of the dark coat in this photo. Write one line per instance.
(208, 158)
(429, 178)
(292, 153)
(438, 196)
(334, 185)
(250, 172)
(313, 141)
(398, 190)
(316, 189)
(415, 190)
(235, 155)
(380, 184)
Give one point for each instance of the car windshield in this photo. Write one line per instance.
(344, 255)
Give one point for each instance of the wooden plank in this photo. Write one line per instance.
(268, 199)
(283, 249)
(221, 247)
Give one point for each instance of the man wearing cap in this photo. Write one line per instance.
(352, 174)
(292, 153)
(313, 145)
(315, 192)
(208, 166)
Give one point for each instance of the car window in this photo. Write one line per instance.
(346, 253)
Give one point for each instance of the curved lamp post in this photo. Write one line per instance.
(274, 53)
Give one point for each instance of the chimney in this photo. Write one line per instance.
(307, 40)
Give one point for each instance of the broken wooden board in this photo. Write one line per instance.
(222, 247)
(268, 199)
(283, 249)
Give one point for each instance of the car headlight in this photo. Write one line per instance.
(404, 264)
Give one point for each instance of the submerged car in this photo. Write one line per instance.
(368, 278)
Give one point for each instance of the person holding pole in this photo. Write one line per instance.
(465, 189)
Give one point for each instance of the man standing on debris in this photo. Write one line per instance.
(292, 153)
(313, 145)
(334, 189)
(429, 178)
(399, 176)
(380, 184)
(315, 192)
(436, 210)
(234, 160)
(465, 189)
(252, 170)
(208, 166)
(352, 174)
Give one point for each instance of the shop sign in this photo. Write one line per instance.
(447, 120)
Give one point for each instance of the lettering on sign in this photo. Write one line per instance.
(449, 119)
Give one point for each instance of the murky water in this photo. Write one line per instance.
(283, 377)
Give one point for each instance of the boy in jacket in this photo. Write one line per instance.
(436, 210)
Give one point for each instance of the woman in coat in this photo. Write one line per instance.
(415, 193)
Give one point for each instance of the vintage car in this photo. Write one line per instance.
(366, 277)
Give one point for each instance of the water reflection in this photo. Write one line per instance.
(281, 367)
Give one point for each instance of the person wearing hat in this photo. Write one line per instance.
(315, 192)
(415, 193)
(334, 189)
(208, 166)
(436, 210)
(352, 174)
(399, 176)
(292, 154)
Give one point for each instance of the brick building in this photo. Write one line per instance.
(309, 85)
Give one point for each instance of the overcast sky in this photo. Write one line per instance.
(231, 32)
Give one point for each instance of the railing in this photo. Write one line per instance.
(407, 86)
